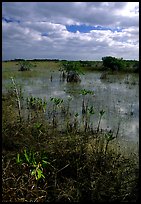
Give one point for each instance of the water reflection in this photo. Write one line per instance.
(118, 99)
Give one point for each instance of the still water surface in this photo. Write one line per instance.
(118, 96)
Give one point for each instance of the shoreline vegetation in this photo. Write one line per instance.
(41, 163)
(107, 63)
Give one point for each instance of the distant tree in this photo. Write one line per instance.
(71, 66)
(72, 69)
(113, 63)
(25, 65)
(136, 66)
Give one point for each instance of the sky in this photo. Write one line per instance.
(70, 30)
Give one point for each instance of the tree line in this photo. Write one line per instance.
(107, 63)
(118, 64)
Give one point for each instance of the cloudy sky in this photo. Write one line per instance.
(70, 30)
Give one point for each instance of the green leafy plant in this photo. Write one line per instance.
(91, 110)
(85, 92)
(76, 115)
(38, 172)
(35, 166)
(36, 103)
(68, 66)
(56, 103)
(18, 159)
(109, 137)
(101, 113)
(86, 111)
(72, 70)
(25, 65)
(38, 125)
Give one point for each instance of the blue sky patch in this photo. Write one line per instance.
(44, 34)
(86, 29)
(10, 20)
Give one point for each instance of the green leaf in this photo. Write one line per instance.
(45, 162)
(33, 172)
(26, 156)
(33, 159)
(109, 136)
(56, 101)
(91, 110)
(102, 112)
(39, 171)
(85, 92)
(18, 160)
(38, 125)
(43, 175)
(40, 174)
(76, 115)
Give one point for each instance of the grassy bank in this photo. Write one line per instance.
(42, 164)
(10, 68)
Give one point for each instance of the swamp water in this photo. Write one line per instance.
(118, 96)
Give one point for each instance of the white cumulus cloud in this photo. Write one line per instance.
(39, 30)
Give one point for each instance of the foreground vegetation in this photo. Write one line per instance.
(41, 163)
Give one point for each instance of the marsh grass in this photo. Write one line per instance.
(11, 69)
(81, 165)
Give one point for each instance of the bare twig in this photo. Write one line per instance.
(117, 129)
(18, 97)
(63, 168)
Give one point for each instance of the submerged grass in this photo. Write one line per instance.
(78, 165)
